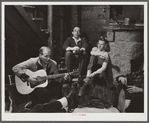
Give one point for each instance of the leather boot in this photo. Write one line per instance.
(73, 96)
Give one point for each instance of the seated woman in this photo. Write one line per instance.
(95, 98)
(131, 96)
(99, 59)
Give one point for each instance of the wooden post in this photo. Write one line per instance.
(79, 15)
(50, 21)
(107, 11)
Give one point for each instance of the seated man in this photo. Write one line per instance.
(131, 97)
(75, 48)
(39, 95)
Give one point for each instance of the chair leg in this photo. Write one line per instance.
(10, 95)
(12, 105)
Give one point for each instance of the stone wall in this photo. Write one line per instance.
(127, 45)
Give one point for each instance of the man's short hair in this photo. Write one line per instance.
(44, 48)
(74, 27)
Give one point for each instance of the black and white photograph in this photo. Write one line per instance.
(74, 61)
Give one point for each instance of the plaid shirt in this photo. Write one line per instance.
(135, 78)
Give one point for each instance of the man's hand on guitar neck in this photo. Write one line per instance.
(67, 77)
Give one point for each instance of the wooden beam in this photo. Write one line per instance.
(50, 21)
(26, 6)
(37, 19)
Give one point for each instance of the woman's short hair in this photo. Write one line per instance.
(95, 93)
(107, 47)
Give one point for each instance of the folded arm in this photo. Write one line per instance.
(67, 45)
(95, 52)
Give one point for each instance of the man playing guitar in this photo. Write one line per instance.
(40, 95)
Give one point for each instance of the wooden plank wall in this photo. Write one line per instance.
(21, 42)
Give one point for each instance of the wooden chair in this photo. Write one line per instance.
(13, 100)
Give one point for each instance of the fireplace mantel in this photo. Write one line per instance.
(124, 27)
(124, 32)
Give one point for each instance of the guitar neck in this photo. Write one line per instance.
(55, 76)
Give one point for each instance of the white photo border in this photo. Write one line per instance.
(76, 116)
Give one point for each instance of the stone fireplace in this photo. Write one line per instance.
(126, 48)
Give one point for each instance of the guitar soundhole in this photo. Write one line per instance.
(39, 78)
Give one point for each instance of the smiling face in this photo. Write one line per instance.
(101, 45)
(76, 32)
(44, 56)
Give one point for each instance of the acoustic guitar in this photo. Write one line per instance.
(42, 80)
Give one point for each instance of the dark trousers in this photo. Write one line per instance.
(137, 99)
(137, 102)
(94, 65)
(43, 95)
(51, 107)
(70, 58)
